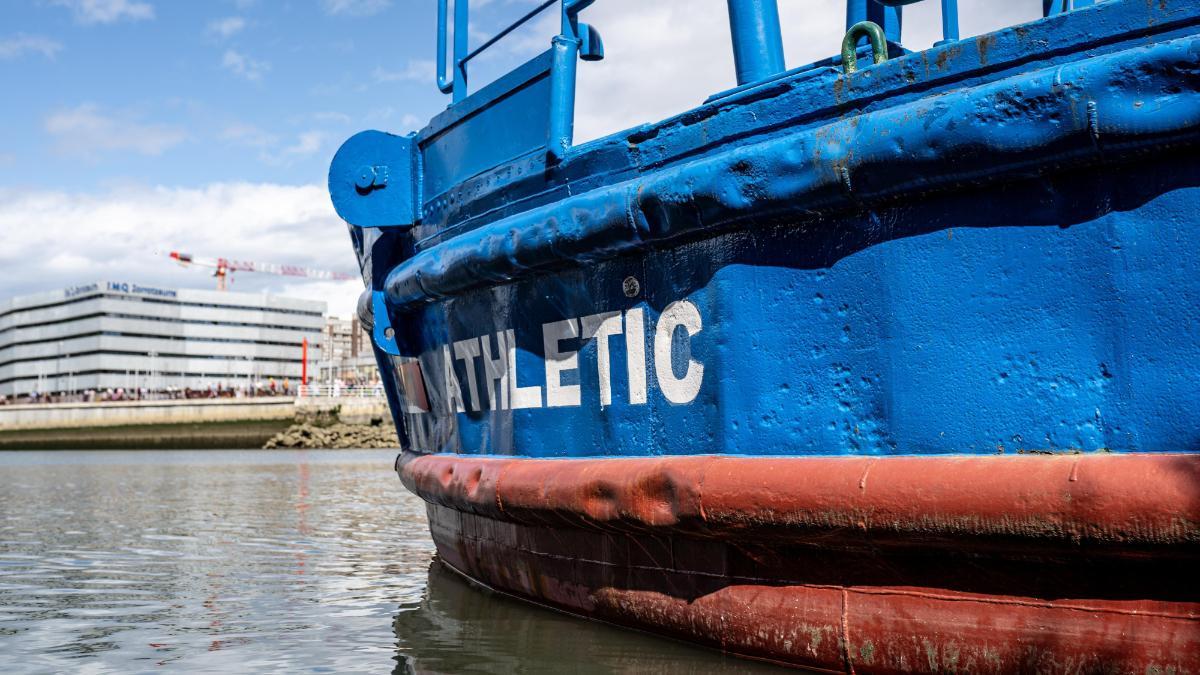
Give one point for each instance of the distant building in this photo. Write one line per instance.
(343, 339)
(111, 335)
(346, 354)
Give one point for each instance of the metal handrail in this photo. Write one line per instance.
(513, 26)
(458, 84)
(754, 28)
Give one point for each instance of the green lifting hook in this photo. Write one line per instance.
(849, 43)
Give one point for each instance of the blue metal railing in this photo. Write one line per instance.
(1052, 7)
(511, 27)
(886, 13)
(862, 10)
(754, 30)
(576, 40)
(458, 84)
(757, 41)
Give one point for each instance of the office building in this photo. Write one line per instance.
(120, 335)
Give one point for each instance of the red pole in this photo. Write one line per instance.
(304, 362)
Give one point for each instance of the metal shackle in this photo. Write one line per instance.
(872, 32)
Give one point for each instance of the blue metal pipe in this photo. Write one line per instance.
(562, 96)
(869, 10)
(565, 56)
(757, 43)
(856, 11)
(949, 17)
(460, 50)
(458, 85)
(949, 21)
(444, 85)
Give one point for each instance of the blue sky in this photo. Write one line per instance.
(135, 127)
(191, 92)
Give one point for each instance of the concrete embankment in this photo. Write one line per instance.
(193, 423)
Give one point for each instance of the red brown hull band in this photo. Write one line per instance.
(967, 564)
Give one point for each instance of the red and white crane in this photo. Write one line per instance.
(223, 269)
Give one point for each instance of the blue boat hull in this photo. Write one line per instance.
(1015, 319)
(881, 371)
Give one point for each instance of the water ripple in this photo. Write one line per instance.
(261, 561)
(207, 561)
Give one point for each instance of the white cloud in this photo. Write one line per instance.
(305, 144)
(226, 27)
(664, 58)
(355, 7)
(410, 122)
(108, 11)
(20, 44)
(391, 119)
(416, 70)
(332, 117)
(273, 150)
(116, 234)
(88, 131)
(249, 135)
(243, 66)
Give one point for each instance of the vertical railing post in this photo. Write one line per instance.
(1055, 7)
(575, 41)
(565, 56)
(458, 85)
(445, 86)
(949, 22)
(757, 44)
(461, 33)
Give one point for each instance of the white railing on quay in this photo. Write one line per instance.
(340, 391)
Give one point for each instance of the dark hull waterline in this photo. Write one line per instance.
(1007, 564)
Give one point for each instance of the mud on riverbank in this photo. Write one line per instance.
(185, 436)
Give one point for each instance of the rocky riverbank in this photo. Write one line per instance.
(312, 436)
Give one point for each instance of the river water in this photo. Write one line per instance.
(221, 561)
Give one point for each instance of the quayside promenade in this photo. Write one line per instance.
(184, 423)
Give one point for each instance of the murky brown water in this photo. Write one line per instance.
(263, 561)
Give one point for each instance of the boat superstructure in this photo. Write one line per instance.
(886, 363)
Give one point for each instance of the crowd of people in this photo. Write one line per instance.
(268, 387)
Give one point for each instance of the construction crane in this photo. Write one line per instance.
(223, 269)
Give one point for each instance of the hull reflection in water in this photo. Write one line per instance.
(460, 627)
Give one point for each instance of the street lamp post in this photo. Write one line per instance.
(150, 377)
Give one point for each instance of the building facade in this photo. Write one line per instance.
(346, 354)
(119, 335)
(343, 339)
